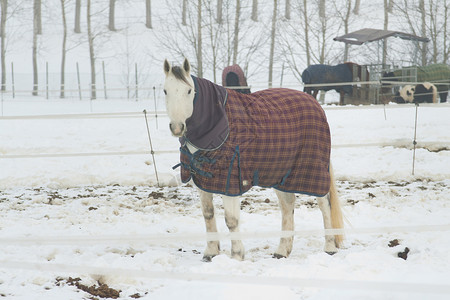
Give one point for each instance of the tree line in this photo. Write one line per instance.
(261, 36)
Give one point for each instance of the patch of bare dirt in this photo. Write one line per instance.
(98, 290)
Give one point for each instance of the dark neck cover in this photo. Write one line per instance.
(207, 128)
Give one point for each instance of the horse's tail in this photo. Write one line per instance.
(337, 220)
(434, 93)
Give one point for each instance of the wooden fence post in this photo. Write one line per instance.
(46, 80)
(136, 79)
(79, 84)
(104, 79)
(12, 81)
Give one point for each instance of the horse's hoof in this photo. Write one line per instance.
(208, 258)
(330, 252)
(278, 256)
(237, 256)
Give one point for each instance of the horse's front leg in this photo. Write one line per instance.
(232, 207)
(287, 202)
(213, 247)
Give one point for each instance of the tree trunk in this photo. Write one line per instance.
(4, 6)
(91, 51)
(385, 27)
(184, 13)
(255, 10)
(287, 10)
(148, 14)
(423, 31)
(346, 25)
(199, 39)
(112, 8)
(219, 11)
(391, 6)
(38, 16)
(63, 51)
(34, 48)
(236, 31)
(272, 41)
(305, 19)
(446, 43)
(356, 8)
(77, 28)
(322, 8)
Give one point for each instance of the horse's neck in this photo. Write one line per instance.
(207, 128)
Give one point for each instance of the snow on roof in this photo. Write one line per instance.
(367, 35)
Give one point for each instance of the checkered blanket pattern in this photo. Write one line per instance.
(278, 138)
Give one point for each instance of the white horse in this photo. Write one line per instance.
(180, 91)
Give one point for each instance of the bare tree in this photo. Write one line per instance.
(306, 23)
(306, 40)
(446, 41)
(356, 8)
(77, 28)
(287, 10)
(322, 8)
(272, 41)
(236, 31)
(91, 50)
(219, 11)
(216, 39)
(199, 39)
(423, 30)
(213, 32)
(391, 6)
(38, 16)
(36, 29)
(255, 10)
(63, 50)
(148, 14)
(4, 7)
(344, 14)
(385, 27)
(112, 9)
(183, 13)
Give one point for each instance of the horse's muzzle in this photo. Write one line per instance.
(177, 129)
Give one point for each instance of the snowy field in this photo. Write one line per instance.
(82, 213)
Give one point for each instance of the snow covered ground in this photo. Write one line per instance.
(81, 208)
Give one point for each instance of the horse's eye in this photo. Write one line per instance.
(189, 92)
(165, 92)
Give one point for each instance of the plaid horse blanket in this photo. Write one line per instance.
(273, 138)
(439, 74)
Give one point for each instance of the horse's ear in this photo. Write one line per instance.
(167, 67)
(187, 66)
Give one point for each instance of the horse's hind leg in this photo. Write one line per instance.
(213, 247)
(232, 207)
(324, 205)
(287, 201)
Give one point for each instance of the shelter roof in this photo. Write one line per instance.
(368, 35)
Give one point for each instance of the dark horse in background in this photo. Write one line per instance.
(326, 76)
(233, 76)
(438, 74)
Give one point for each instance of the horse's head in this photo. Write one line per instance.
(389, 76)
(180, 92)
(407, 93)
